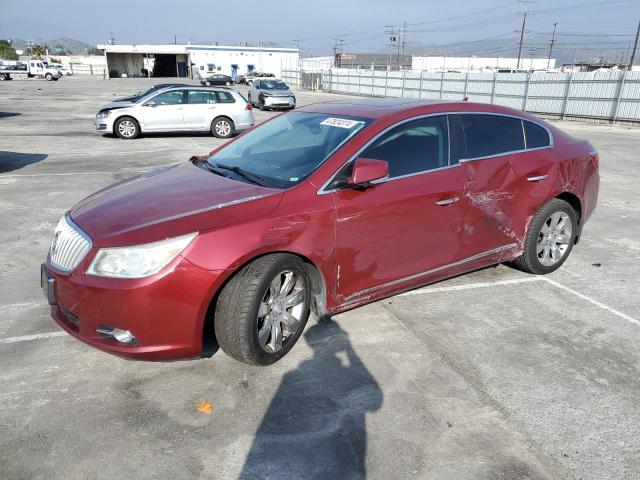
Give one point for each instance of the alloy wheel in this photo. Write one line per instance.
(223, 128)
(126, 128)
(554, 239)
(280, 312)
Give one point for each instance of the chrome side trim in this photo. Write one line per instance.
(322, 191)
(477, 256)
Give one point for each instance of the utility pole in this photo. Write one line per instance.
(522, 30)
(553, 40)
(392, 33)
(635, 46)
(404, 37)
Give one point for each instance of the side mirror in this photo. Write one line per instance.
(150, 103)
(366, 171)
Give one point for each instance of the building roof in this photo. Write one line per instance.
(185, 48)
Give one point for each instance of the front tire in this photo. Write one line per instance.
(550, 238)
(261, 313)
(126, 128)
(48, 77)
(222, 127)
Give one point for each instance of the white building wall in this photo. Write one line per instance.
(206, 61)
(477, 63)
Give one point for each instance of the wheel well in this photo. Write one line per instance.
(126, 116)
(223, 116)
(318, 300)
(572, 200)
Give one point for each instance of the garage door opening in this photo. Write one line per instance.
(169, 65)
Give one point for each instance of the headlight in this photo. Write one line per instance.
(265, 94)
(140, 260)
(103, 114)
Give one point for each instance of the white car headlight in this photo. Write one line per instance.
(140, 260)
(103, 114)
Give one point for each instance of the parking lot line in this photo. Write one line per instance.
(470, 286)
(28, 338)
(421, 291)
(592, 301)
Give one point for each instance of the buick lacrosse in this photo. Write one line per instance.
(317, 210)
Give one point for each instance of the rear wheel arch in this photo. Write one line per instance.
(574, 201)
(318, 301)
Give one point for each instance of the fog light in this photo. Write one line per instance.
(122, 336)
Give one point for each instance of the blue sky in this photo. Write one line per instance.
(316, 24)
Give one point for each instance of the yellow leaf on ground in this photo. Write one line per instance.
(205, 407)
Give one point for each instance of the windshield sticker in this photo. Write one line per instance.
(340, 122)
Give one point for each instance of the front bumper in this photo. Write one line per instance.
(279, 102)
(103, 125)
(164, 312)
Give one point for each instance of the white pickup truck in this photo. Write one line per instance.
(34, 68)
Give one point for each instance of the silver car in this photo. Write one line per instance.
(271, 93)
(222, 111)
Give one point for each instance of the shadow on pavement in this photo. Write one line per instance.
(9, 114)
(10, 161)
(315, 426)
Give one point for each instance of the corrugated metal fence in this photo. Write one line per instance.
(612, 95)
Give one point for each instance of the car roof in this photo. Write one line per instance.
(376, 108)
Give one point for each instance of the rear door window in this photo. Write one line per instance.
(488, 135)
(535, 136)
(201, 96)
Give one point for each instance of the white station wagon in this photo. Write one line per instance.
(222, 111)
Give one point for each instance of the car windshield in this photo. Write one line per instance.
(286, 150)
(273, 85)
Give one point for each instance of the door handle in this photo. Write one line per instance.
(447, 201)
(537, 178)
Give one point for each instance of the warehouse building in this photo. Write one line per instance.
(194, 61)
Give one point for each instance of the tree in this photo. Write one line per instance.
(7, 52)
(37, 50)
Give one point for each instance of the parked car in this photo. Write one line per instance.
(253, 76)
(321, 209)
(273, 94)
(64, 70)
(223, 111)
(217, 79)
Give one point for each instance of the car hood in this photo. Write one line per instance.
(120, 103)
(167, 202)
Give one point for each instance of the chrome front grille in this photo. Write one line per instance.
(68, 246)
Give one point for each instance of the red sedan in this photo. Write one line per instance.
(320, 210)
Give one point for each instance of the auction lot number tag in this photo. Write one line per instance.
(340, 122)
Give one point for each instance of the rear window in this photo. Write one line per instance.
(535, 136)
(488, 135)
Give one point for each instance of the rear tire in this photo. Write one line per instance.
(126, 128)
(262, 311)
(549, 239)
(222, 127)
